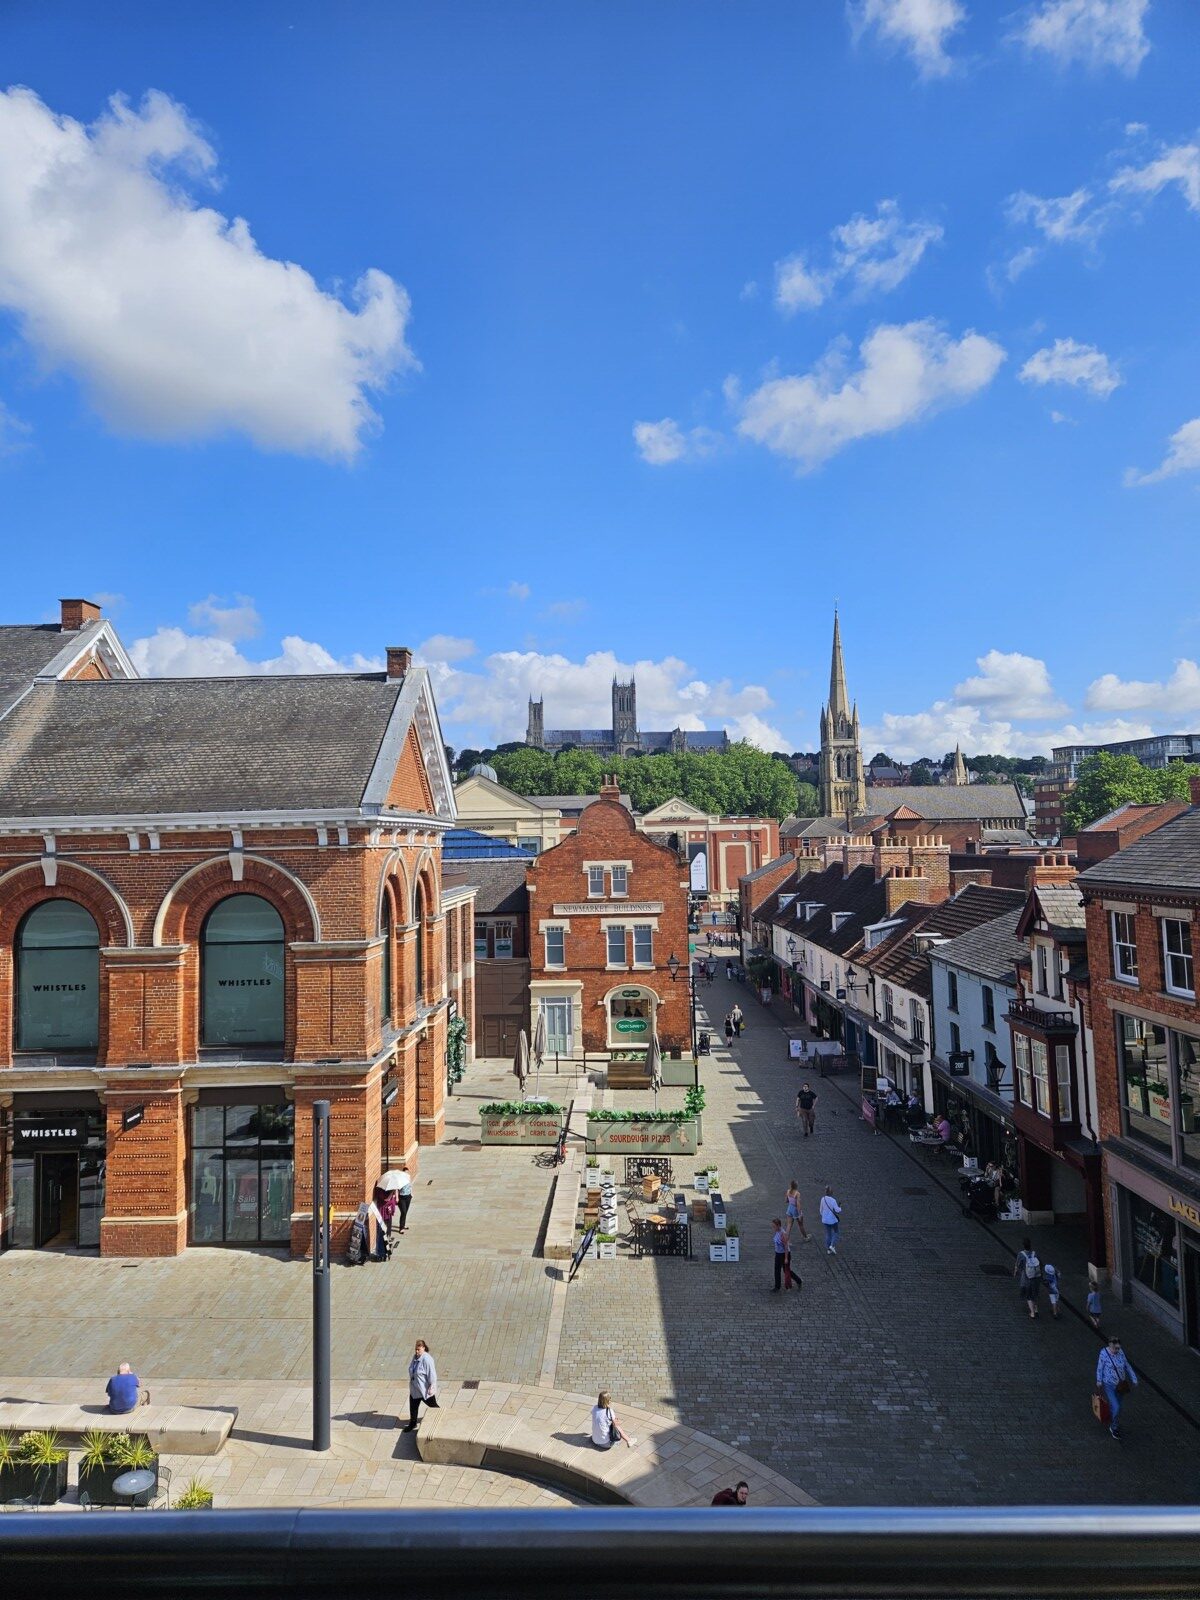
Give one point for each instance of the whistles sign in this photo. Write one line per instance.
(34, 1133)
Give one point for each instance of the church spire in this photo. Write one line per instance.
(961, 777)
(839, 700)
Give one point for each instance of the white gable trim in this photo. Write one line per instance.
(414, 708)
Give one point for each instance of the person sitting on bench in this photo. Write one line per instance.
(122, 1390)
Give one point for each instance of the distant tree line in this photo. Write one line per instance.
(1105, 782)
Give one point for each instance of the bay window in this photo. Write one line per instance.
(1062, 1081)
(1024, 1075)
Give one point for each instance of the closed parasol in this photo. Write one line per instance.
(539, 1045)
(655, 1065)
(521, 1061)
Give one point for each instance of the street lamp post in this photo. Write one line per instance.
(320, 1261)
(673, 965)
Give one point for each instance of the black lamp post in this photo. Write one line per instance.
(673, 965)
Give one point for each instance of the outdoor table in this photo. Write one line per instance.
(131, 1484)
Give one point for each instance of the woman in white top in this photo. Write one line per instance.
(422, 1383)
(831, 1216)
(605, 1428)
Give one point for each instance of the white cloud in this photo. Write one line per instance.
(1066, 361)
(487, 704)
(14, 433)
(176, 323)
(749, 290)
(238, 621)
(1183, 455)
(1179, 164)
(1178, 695)
(518, 591)
(1061, 416)
(1095, 33)
(173, 653)
(920, 27)
(662, 443)
(934, 731)
(874, 254)
(1062, 219)
(445, 647)
(908, 371)
(1010, 684)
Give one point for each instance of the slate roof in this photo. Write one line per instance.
(898, 960)
(1168, 858)
(468, 844)
(856, 893)
(948, 803)
(569, 802)
(26, 650)
(1062, 907)
(767, 866)
(991, 950)
(148, 746)
(500, 885)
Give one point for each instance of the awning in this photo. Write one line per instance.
(985, 1099)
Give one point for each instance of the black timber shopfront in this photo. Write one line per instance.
(55, 1165)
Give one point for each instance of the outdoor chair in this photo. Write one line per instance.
(162, 1497)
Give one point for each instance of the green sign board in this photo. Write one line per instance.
(631, 1025)
(631, 994)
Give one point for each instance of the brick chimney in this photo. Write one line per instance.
(1051, 867)
(399, 659)
(904, 883)
(76, 614)
(1194, 790)
(610, 789)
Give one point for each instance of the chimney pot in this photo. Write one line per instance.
(76, 614)
(399, 660)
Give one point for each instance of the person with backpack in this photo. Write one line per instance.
(1028, 1273)
(1114, 1376)
(1053, 1288)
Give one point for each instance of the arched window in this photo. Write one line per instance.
(385, 976)
(419, 908)
(241, 966)
(58, 978)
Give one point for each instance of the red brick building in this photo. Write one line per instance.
(220, 900)
(1142, 906)
(608, 907)
(719, 850)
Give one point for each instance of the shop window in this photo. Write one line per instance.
(1145, 1069)
(1062, 1082)
(1041, 1076)
(629, 1018)
(1024, 1072)
(556, 947)
(559, 1036)
(241, 954)
(616, 946)
(1177, 957)
(989, 1009)
(502, 933)
(58, 978)
(1155, 1259)
(481, 941)
(1124, 938)
(242, 1170)
(1187, 1068)
(643, 946)
(385, 966)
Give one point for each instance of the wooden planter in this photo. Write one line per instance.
(22, 1482)
(98, 1484)
(642, 1138)
(542, 1129)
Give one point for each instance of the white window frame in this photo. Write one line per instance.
(481, 938)
(618, 929)
(595, 876)
(888, 1009)
(916, 1018)
(1183, 956)
(1040, 1062)
(622, 872)
(1125, 969)
(1062, 1082)
(497, 928)
(1021, 1062)
(1041, 981)
(646, 929)
(561, 932)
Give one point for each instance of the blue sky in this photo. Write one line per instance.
(619, 334)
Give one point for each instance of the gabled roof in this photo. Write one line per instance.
(675, 810)
(1168, 858)
(500, 885)
(900, 961)
(938, 803)
(1060, 905)
(767, 866)
(154, 747)
(992, 950)
(572, 803)
(31, 651)
(477, 782)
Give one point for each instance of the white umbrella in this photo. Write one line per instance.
(521, 1061)
(655, 1065)
(392, 1180)
(539, 1045)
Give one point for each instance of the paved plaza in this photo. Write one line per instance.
(903, 1373)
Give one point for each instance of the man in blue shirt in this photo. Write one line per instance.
(123, 1389)
(1115, 1375)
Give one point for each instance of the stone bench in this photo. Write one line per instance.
(545, 1434)
(171, 1430)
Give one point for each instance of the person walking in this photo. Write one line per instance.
(831, 1216)
(606, 1430)
(791, 1280)
(1116, 1377)
(728, 1032)
(781, 1251)
(1094, 1307)
(728, 971)
(806, 1108)
(1028, 1273)
(404, 1196)
(422, 1383)
(739, 1021)
(1053, 1288)
(794, 1210)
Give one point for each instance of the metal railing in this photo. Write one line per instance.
(643, 1555)
(1052, 1020)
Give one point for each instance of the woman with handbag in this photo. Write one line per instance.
(422, 1383)
(1115, 1377)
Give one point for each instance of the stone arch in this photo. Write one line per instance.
(425, 874)
(395, 873)
(72, 882)
(192, 896)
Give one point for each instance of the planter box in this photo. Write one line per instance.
(608, 1252)
(642, 1138)
(99, 1485)
(519, 1130)
(733, 1249)
(21, 1482)
(678, 1074)
(718, 1252)
(700, 1183)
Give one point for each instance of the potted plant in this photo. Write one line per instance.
(693, 1105)
(106, 1456)
(35, 1465)
(714, 1176)
(718, 1252)
(196, 1496)
(700, 1181)
(733, 1244)
(606, 1246)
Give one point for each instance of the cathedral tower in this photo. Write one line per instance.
(624, 716)
(842, 781)
(535, 733)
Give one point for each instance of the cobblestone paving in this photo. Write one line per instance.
(901, 1374)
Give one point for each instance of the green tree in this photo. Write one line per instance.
(525, 770)
(921, 773)
(577, 772)
(1105, 782)
(808, 801)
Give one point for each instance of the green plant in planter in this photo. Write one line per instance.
(39, 1448)
(638, 1116)
(101, 1450)
(731, 1230)
(693, 1101)
(606, 1238)
(135, 1453)
(8, 1451)
(196, 1496)
(520, 1108)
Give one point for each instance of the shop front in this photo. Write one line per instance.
(631, 1017)
(1157, 1233)
(242, 1160)
(57, 1166)
(983, 1116)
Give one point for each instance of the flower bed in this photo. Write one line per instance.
(520, 1122)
